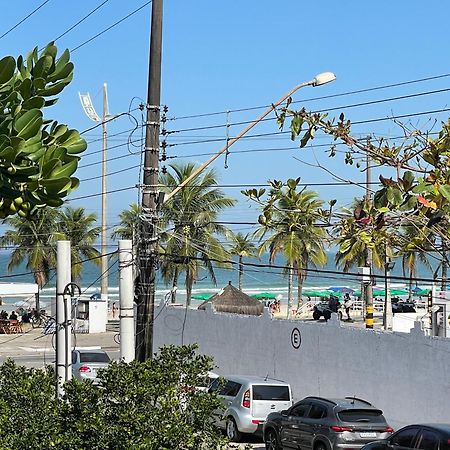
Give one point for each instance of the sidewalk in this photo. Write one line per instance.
(34, 341)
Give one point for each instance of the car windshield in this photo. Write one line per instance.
(267, 392)
(362, 415)
(94, 357)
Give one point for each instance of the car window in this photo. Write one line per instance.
(362, 415)
(404, 438)
(231, 389)
(317, 412)
(428, 440)
(74, 358)
(300, 410)
(267, 392)
(215, 384)
(94, 357)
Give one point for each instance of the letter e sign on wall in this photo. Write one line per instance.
(296, 338)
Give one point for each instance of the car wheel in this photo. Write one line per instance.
(316, 315)
(320, 446)
(233, 433)
(271, 440)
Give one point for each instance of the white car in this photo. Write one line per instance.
(86, 363)
(248, 400)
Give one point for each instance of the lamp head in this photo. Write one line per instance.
(323, 78)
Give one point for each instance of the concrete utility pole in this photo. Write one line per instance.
(387, 314)
(148, 239)
(368, 289)
(63, 339)
(104, 260)
(126, 297)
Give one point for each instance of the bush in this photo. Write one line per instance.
(150, 405)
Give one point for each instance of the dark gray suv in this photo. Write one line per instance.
(316, 423)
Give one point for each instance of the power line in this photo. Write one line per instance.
(24, 19)
(100, 193)
(81, 20)
(360, 91)
(278, 133)
(111, 26)
(336, 108)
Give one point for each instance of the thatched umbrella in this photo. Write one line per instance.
(232, 300)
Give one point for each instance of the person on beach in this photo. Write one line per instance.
(333, 303)
(114, 310)
(347, 305)
(13, 316)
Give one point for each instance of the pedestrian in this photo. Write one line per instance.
(13, 316)
(347, 305)
(333, 303)
(114, 310)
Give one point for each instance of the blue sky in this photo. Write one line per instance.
(220, 56)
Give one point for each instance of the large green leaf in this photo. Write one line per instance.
(42, 67)
(66, 170)
(28, 123)
(7, 69)
(61, 72)
(33, 103)
(57, 185)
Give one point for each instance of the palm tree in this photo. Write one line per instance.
(78, 227)
(129, 223)
(412, 254)
(34, 242)
(242, 246)
(295, 232)
(190, 239)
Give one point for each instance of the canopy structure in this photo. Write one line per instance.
(382, 292)
(204, 296)
(232, 300)
(320, 294)
(422, 292)
(342, 289)
(264, 296)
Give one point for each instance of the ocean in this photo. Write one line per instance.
(258, 278)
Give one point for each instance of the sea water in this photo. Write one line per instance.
(258, 278)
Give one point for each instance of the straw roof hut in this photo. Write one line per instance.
(232, 300)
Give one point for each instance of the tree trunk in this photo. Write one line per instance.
(173, 294)
(290, 284)
(189, 283)
(299, 289)
(241, 272)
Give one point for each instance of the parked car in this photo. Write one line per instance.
(326, 424)
(424, 437)
(248, 400)
(403, 306)
(322, 309)
(207, 381)
(86, 363)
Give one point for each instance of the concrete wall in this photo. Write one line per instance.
(406, 375)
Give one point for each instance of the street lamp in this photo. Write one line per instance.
(318, 80)
(387, 314)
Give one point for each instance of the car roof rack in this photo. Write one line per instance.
(323, 399)
(359, 400)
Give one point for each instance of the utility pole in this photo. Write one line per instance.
(368, 286)
(63, 339)
(148, 239)
(104, 259)
(126, 315)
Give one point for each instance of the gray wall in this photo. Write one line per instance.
(406, 375)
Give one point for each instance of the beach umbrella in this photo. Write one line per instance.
(342, 289)
(399, 292)
(232, 300)
(417, 289)
(264, 296)
(204, 296)
(316, 293)
(422, 292)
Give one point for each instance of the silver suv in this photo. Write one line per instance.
(326, 424)
(248, 400)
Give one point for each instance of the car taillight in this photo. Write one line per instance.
(340, 429)
(84, 369)
(389, 430)
(246, 399)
